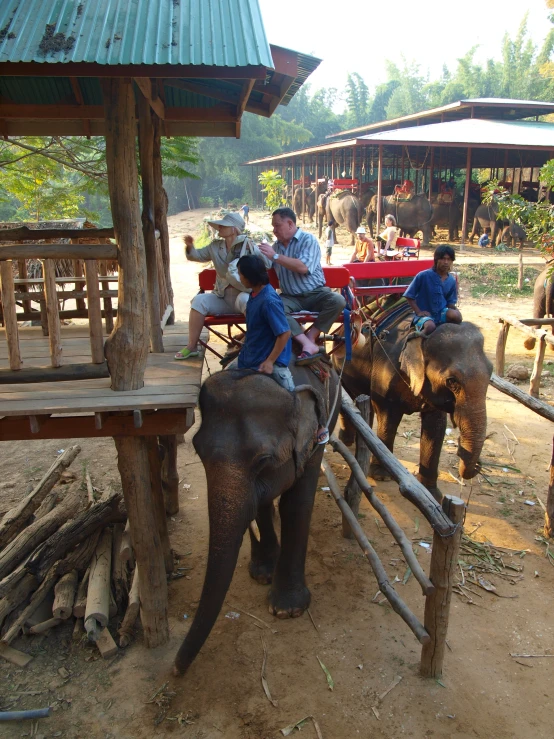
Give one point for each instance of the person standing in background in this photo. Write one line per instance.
(245, 210)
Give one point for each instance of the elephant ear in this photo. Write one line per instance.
(310, 412)
(412, 363)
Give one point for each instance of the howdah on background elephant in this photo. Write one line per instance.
(257, 442)
(343, 208)
(445, 373)
(411, 215)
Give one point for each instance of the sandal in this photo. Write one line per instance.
(323, 436)
(306, 358)
(185, 354)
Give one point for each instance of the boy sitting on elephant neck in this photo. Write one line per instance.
(267, 347)
(432, 294)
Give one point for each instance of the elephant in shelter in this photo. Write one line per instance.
(343, 208)
(543, 301)
(486, 217)
(411, 215)
(257, 442)
(513, 233)
(446, 372)
(447, 215)
(309, 202)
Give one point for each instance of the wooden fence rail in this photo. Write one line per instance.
(542, 336)
(58, 251)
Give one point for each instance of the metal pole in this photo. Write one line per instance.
(431, 169)
(466, 197)
(379, 189)
(303, 189)
(333, 165)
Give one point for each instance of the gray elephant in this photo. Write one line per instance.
(543, 300)
(257, 443)
(447, 372)
(411, 215)
(513, 233)
(309, 202)
(486, 217)
(447, 215)
(343, 208)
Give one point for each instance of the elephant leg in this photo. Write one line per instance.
(289, 596)
(433, 426)
(473, 233)
(347, 433)
(265, 552)
(387, 426)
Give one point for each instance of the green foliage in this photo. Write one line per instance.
(275, 188)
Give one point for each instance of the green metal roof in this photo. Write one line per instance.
(224, 33)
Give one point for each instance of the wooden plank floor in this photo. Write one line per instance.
(167, 383)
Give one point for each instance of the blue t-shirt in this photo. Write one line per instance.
(483, 240)
(431, 293)
(245, 209)
(265, 320)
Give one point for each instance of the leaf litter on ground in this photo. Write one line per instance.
(330, 681)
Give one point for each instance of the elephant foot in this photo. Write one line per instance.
(347, 436)
(379, 473)
(261, 571)
(431, 487)
(289, 603)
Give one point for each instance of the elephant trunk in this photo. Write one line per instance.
(471, 418)
(230, 512)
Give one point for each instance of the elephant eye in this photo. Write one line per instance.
(453, 385)
(260, 461)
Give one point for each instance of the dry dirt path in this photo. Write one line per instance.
(484, 693)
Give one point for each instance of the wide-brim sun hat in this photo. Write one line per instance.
(235, 220)
(360, 230)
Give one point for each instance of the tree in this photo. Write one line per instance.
(275, 188)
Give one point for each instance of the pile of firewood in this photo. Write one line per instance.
(65, 553)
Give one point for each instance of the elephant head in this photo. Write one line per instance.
(254, 441)
(449, 371)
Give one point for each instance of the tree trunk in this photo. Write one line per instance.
(127, 347)
(160, 212)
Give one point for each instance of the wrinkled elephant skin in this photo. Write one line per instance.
(411, 215)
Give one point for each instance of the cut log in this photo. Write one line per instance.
(127, 628)
(80, 604)
(40, 530)
(64, 596)
(97, 612)
(45, 626)
(73, 532)
(120, 578)
(47, 505)
(78, 630)
(17, 595)
(14, 656)
(36, 599)
(42, 612)
(15, 519)
(126, 546)
(106, 645)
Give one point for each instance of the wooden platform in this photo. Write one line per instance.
(166, 402)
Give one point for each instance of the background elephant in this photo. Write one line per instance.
(343, 208)
(543, 301)
(411, 215)
(309, 202)
(512, 234)
(447, 372)
(257, 442)
(447, 215)
(486, 217)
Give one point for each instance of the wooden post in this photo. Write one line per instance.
(303, 190)
(444, 563)
(94, 311)
(379, 190)
(160, 212)
(549, 513)
(10, 314)
(108, 307)
(146, 146)
(353, 492)
(535, 381)
(431, 172)
(52, 313)
(158, 499)
(78, 270)
(170, 476)
(501, 348)
(134, 468)
(127, 347)
(22, 274)
(466, 197)
(316, 195)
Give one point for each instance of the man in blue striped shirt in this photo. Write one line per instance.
(296, 257)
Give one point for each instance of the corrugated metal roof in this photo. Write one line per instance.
(471, 132)
(306, 65)
(226, 33)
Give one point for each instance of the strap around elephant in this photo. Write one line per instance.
(347, 335)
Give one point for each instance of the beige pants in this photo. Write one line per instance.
(209, 304)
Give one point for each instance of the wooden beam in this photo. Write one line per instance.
(12, 110)
(244, 95)
(55, 374)
(169, 71)
(145, 86)
(80, 101)
(24, 233)
(222, 112)
(177, 421)
(58, 251)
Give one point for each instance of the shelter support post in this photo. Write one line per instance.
(379, 189)
(431, 172)
(160, 212)
(303, 189)
(466, 196)
(10, 314)
(444, 563)
(316, 195)
(146, 151)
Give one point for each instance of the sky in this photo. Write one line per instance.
(428, 32)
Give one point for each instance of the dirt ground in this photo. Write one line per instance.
(484, 692)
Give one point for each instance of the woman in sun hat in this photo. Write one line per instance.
(229, 294)
(364, 250)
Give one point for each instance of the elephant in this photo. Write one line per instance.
(513, 233)
(344, 209)
(486, 217)
(543, 301)
(447, 215)
(411, 215)
(446, 372)
(309, 202)
(257, 443)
